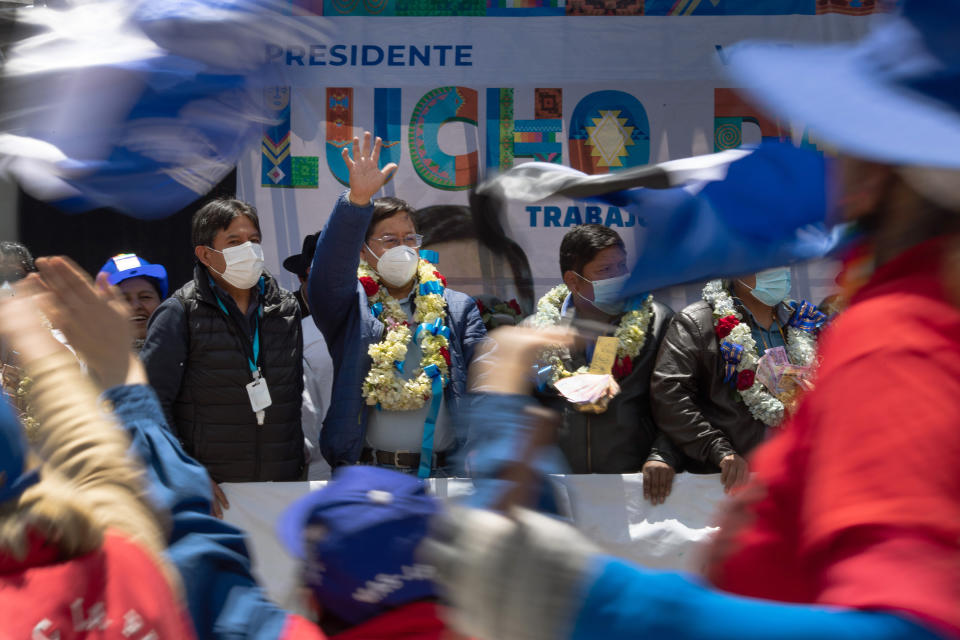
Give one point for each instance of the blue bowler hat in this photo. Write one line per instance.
(893, 98)
(14, 479)
(357, 537)
(129, 265)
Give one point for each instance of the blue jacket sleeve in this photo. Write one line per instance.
(165, 352)
(500, 429)
(332, 285)
(211, 555)
(473, 333)
(624, 601)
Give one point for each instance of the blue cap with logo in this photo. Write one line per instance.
(14, 478)
(357, 538)
(124, 266)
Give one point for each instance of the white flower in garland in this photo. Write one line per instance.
(631, 333)
(383, 384)
(801, 349)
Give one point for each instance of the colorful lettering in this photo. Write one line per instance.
(435, 167)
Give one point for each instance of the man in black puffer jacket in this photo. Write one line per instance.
(215, 344)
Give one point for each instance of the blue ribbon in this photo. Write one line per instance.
(399, 365)
(542, 376)
(376, 309)
(432, 286)
(426, 445)
(806, 316)
(636, 302)
(430, 256)
(436, 327)
(731, 353)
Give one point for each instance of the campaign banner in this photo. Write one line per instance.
(457, 99)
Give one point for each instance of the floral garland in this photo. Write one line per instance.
(384, 385)
(631, 333)
(801, 349)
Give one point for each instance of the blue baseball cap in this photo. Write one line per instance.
(14, 479)
(357, 537)
(124, 266)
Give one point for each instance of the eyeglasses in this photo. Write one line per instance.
(390, 241)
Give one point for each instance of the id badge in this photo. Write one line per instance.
(259, 395)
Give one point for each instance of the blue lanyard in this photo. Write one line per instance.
(254, 369)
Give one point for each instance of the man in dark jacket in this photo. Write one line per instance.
(703, 413)
(625, 437)
(372, 419)
(224, 353)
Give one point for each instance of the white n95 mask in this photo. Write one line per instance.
(398, 265)
(244, 264)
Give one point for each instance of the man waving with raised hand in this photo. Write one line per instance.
(400, 340)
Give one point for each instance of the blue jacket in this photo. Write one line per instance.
(339, 306)
(211, 555)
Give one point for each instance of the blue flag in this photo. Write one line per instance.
(725, 214)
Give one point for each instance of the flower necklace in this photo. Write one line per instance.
(631, 333)
(384, 385)
(739, 350)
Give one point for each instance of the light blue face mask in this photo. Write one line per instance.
(773, 285)
(606, 294)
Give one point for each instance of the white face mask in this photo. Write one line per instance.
(398, 265)
(244, 264)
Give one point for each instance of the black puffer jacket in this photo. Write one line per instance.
(691, 403)
(210, 411)
(625, 436)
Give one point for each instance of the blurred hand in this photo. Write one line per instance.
(94, 318)
(733, 472)
(366, 177)
(657, 481)
(22, 325)
(220, 501)
(503, 362)
(508, 577)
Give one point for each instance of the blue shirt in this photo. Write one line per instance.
(767, 338)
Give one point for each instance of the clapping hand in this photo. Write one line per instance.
(92, 316)
(366, 176)
(23, 326)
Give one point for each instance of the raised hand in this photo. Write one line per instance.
(94, 319)
(366, 176)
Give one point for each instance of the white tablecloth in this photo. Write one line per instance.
(609, 509)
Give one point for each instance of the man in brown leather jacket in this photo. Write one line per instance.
(702, 414)
(625, 437)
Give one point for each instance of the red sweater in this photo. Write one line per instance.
(415, 621)
(857, 502)
(114, 593)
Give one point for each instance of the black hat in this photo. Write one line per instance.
(299, 263)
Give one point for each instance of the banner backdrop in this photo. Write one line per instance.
(457, 98)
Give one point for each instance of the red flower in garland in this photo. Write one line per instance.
(446, 354)
(622, 367)
(725, 325)
(370, 286)
(440, 277)
(480, 307)
(513, 304)
(745, 379)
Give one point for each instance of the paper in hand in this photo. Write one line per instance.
(591, 392)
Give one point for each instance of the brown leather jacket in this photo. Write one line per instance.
(692, 405)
